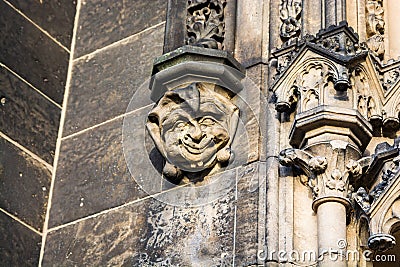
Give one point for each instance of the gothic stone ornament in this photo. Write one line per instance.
(339, 43)
(381, 242)
(290, 15)
(388, 173)
(389, 72)
(375, 27)
(324, 179)
(366, 100)
(362, 199)
(193, 128)
(390, 78)
(205, 23)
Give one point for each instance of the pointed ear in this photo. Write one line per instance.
(225, 154)
(153, 127)
(234, 121)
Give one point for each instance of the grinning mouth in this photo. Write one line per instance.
(197, 148)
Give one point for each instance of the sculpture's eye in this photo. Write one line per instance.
(207, 121)
(179, 125)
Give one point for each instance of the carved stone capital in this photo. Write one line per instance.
(325, 179)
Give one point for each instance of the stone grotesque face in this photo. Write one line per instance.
(193, 128)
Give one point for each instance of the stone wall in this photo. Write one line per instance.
(35, 50)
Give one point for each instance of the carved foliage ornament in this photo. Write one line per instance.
(193, 128)
(290, 15)
(375, 27)
(205, 23)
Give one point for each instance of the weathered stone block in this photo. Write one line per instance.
(19, 246)
(103, 22)
(104, 83)
(31, 54)
(148, 233)
(24, 185)
(246, 239)
(56, 17)
(92, 175)
(27, 117)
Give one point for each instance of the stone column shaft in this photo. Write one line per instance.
(332, 234)
(334, 12)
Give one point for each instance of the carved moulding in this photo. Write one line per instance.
(382, 167)
(205, 23)
(195, 119)
(389, 78)
(290, 15)
(379, 203)
(367, 95)
(389, 73)
(384, 217)
(391, 112)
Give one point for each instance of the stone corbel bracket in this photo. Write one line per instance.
(195, 64)
(195, 119)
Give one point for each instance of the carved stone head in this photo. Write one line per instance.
(193, 128)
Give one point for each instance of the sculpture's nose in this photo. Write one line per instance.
(195, 132)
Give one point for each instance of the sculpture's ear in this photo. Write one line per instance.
(234, 121)
(153, 127)
(225, 154)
